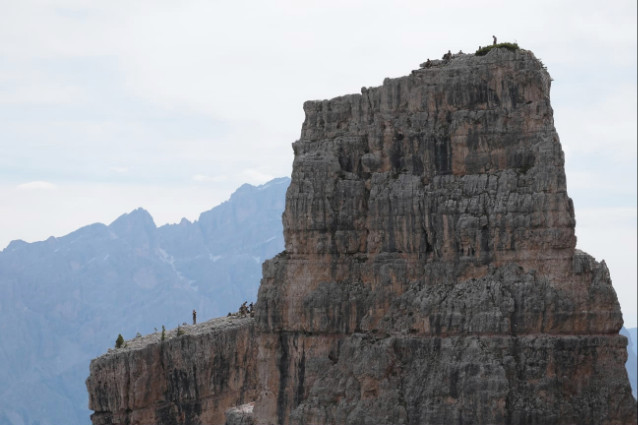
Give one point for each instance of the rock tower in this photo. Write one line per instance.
(430, 275)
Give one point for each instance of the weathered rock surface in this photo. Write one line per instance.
(430, 273)
(430, 276)
(241, 415)
(186, 379)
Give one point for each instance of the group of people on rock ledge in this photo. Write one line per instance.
(244, 310)
(448, 55)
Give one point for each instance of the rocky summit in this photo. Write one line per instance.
(430, 274)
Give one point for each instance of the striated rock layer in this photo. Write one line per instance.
(430, 277)
(187, 379)
(430, 273)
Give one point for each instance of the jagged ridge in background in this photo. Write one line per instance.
(64, 300)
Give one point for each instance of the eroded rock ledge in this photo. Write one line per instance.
(188, 379)
(430, 274)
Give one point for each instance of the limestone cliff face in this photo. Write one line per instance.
(430, 277)
(430, 273)
(188, 380)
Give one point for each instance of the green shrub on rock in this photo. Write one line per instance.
(484, 50)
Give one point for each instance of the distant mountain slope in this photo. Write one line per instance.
(64, 300)
(632, 358)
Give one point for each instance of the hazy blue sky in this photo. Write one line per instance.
(110, 105)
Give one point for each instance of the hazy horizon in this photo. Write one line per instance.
(171, 107)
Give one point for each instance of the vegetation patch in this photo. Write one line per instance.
(484, 50)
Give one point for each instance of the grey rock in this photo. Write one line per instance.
(240, 415)
(430, 273)
(188, 378)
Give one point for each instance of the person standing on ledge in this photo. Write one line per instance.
(494, 43)
(194, 317)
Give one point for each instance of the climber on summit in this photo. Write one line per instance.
(494, 43)
(194, 317)
(426, 64)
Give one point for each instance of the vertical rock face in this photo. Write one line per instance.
(430, 273)
(430, 277)
(188, 380)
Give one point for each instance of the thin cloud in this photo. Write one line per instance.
(37, 185)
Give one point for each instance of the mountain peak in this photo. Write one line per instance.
(247, 188)
(138, 215)
(16, 244)
(137, 219)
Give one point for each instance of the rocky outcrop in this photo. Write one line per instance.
(430, 276)
(190, 378)
(430, 273)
